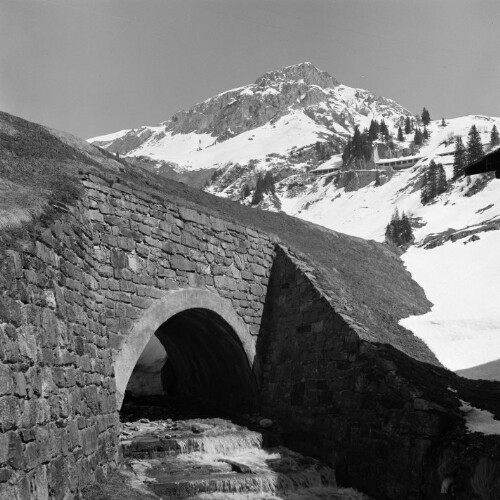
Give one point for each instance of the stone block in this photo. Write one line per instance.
(141, 302)
(95, 216)
(89, 440)
(19, 384)
(258, 270)
(31, 455)
(6, 385)
(5, 475)
(9, 413)
(15, 456)
(142, 250)
(225, 282)
(4, 447)
(127, 244)
(189, 215)
(247, 275)
(218, 225)
(256, 290)
(180, 263)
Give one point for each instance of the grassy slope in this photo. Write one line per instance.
(364, 279)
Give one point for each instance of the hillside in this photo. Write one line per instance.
(456, 241)
(298, 119)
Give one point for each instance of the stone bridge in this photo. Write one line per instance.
(143, 285)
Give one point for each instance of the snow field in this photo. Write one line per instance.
(463, 282)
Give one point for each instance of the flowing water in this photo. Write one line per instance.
(215, 459)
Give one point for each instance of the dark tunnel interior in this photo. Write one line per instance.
(194, 364)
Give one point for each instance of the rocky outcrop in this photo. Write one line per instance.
(359, 172)
(273, 95)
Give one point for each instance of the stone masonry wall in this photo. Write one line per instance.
(341, 399)
(71, 292)
(57, 408)
(68, 297)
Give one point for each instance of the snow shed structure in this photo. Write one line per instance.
(399, 163)
(489, 163)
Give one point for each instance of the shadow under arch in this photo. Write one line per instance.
(187, 308)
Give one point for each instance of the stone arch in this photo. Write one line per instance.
(172, 303)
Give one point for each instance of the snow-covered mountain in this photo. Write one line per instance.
(274, 122)
(295, 123)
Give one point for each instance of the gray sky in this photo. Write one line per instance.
(97, 66)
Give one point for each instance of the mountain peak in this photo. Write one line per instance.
(305, 71)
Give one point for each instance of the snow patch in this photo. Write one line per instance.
(481, 421)
(109, 137)
(199, 151)
(463, 326)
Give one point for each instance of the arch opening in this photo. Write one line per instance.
(193, 360)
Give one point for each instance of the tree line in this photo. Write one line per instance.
(359, 145)
(399, 231)
(434, 180)
(464, 155)
(264, 184)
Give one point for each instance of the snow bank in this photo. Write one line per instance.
(479, 420)
(462, 281)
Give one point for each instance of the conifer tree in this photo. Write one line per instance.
(407, 125)
(494, 137)
(346, 154)
(474, 145)
(265, 184)
(357, 147)
(434, 182)
(425, 134)
(269, 182)
(443, 123)
(245, 191)
(383, 128)
(406, 229)
(357, 144)
(459, 159)
(418, 138)
(373, 131)
(401, 137)
(399, 230)
(258, 194)
(426, 117)
(441, 184)
(432, 179)
(425, 192)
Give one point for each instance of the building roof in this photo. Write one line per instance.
(488, 163)
(400, 158)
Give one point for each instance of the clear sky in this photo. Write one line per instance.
(96, 66)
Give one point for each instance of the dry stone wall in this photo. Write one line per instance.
(57, 407)
(346, 401)
(70, 296)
